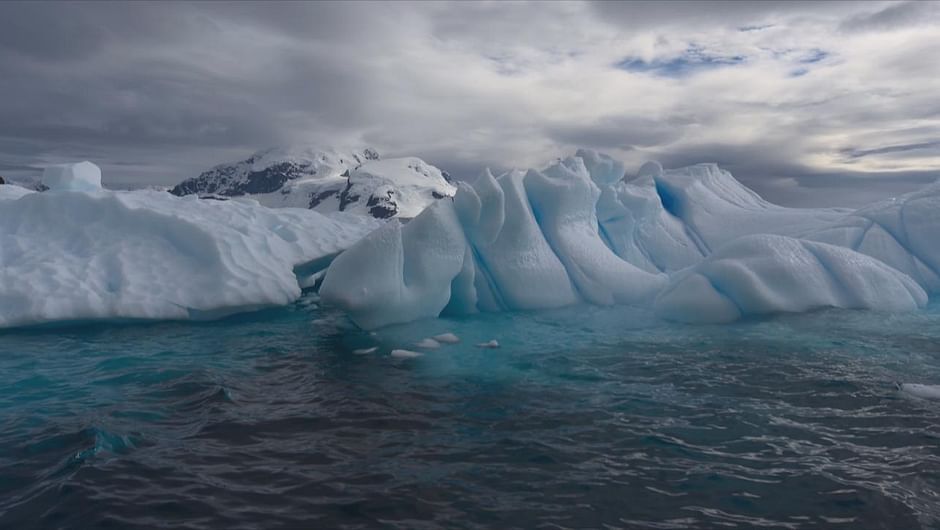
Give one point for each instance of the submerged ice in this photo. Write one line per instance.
(693, 244)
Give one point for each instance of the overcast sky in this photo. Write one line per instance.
(809, 103)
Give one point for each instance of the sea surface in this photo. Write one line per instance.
(583, 418)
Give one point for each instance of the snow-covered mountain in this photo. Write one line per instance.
(327, 180)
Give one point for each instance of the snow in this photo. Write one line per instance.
(327, 180)
(70, 256)
(11, 191)
(763, 274)
(83, 176)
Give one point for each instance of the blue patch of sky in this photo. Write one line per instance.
(799, 72)
(813, 56)
(695, 59)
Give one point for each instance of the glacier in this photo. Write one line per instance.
(326, 179)
(78, 252)
(692, 244)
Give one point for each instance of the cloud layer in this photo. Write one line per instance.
(807, 102)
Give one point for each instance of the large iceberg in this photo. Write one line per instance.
(692, 244)
(520, 241)
(68, 256)
(694, 239)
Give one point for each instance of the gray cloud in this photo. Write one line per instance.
(156, 92)
(894, 16)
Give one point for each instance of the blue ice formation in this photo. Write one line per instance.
(693, 244)
(690, 244)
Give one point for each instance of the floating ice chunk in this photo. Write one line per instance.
(405, 354)
(764, 274)
(83, 176)
(447, 338)
(428, 344)
(490, 344)
(365, 351)
(920, 391)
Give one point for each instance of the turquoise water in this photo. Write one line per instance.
(584, 418)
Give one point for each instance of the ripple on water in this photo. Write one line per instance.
(583, 418)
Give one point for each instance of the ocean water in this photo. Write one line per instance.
(584, 418)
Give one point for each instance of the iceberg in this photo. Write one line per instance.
(692, 244)
(524, 240)
(763, 274)
(69, 255)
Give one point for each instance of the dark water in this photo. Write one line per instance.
(585, 418)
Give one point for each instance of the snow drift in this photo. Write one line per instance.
(67, 255)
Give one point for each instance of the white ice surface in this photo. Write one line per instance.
(405, 354)
(695, 239)
(522, 241)
(447, 338)
(82, 176)
(68, 256)
(762, 274)
(327, 180)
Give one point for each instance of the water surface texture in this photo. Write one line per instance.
(584, 418)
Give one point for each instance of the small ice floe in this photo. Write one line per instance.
(920, 391)
(428, 344)
(405, 354)
(490, 344)
(320, 322)
(365, 351)
(446, 338)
